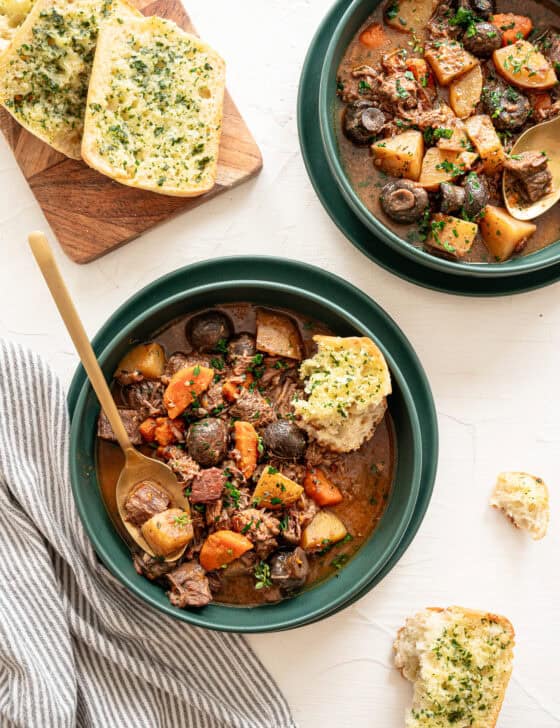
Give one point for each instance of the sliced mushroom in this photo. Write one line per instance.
(403, 201)
(362, 121)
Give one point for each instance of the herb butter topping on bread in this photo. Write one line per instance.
(347, 383)
(524, 500)
(460, 662)
(45, 72)
(155, 108)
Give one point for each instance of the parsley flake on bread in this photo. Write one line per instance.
(347, 383)
(155, 106)
(460, 662)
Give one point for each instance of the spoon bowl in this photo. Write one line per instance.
(542, 137)
(138, 468)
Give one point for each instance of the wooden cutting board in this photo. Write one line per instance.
(89, 213)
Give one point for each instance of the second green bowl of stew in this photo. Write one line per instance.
(408, 406)
(352, 19)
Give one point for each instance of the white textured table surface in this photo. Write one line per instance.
(494, 366)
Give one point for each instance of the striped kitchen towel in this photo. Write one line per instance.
(77, 649)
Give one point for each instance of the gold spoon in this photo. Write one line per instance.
(137, 467)
(543, 137)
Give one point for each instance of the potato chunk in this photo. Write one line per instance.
(278, 335)
(324, 530)
(401, 155)
(146, 359)
(409, 16)
(451, 235)
(275, 490)
(483, 135)
(523, 65)
(465, 92)
(167, 532)
(440, 166)
(458, 141)
(502, 233)
(449, 60)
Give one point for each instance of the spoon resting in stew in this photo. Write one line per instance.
(168, 532)
(544, 138)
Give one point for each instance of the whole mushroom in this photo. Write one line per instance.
(362, 121)
(289, 569)
(285, 440)
(507, 106)
(207, 441)
(206, 330)
(403, 201)
(482, 39)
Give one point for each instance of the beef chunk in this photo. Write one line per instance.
(144, 501)
(256, 524)
(298, 517)
(207, 486)
(184, 467)
(150, 567)
(131, 420)
(532, 177)
(145, 396)
(252, 407)
(189, 586)
(179, 360)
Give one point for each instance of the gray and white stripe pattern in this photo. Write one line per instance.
(76, 648)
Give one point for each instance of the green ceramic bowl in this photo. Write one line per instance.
(228, 283)
(348, 25)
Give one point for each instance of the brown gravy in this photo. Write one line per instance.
(364, 477)
(367, 180)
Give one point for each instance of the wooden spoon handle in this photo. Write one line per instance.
(45, 259)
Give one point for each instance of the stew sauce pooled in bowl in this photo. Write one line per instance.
(281, 436)
(433, 97)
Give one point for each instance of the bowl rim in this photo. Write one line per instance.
(222, 288)
(544, 258)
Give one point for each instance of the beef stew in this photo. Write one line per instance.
(433, 95)
(272, 511)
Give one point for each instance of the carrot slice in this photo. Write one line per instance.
(421, 71)
(373, 36)
(320, 488)
(513, 27)
(165, 432)
(184, 387)
(223, 547)
(148, 429)
(230, 391)
(247, 445)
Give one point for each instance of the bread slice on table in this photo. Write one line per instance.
(459, 661)
(155, 106)
(347, 383)
(524, 500)
(45, 72)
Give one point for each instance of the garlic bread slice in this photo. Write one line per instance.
(155, 106)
